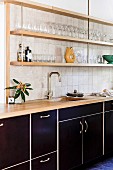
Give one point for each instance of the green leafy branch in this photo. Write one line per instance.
(21, 89)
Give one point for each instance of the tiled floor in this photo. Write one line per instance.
(105, 165)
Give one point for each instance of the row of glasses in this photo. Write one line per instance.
(55, 28)
(80, 58)
(96, 59)
(65, 30)
(43, 58)
(97, 35)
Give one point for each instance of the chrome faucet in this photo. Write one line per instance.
(50, 92)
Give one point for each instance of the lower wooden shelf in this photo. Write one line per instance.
(16, 63)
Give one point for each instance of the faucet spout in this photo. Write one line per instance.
(50, 92)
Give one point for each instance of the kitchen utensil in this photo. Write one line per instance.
(75, 94)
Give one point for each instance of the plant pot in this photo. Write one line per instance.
(19, 100)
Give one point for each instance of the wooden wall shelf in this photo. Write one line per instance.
(55, 10)
(16, 63)
(58, 37)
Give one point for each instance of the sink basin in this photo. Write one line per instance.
(65, 98)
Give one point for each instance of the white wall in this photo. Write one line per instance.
(80, 6)
(102, 9)
(74, 5)
(2, 54)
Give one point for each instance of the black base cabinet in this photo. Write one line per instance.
(80, 135)
(69, 137)
(14, 141)
(80, 138)
(48, 162)
(108, 127)
(92, 137)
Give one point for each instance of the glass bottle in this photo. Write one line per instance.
(20, 54)
(28, 54)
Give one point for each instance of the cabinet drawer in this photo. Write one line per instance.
(109, 105)
(78, 111)
(44, 133)
(14, 141)
(48, 162)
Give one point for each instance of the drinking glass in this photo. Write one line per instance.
(49, 28)
(34, 57)
(78, 56)
(18, 26)
(29, 27)
(53, 58)
(69, 31)
(59, 29)
(76, 32)
(39, 57)
(72, 31)
(81, 32)
(65, 30)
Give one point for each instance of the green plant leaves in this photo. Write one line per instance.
(26, 92)
(29, 88)
(16, 81)
(23, 96)
(27, 84)
(14, 87)
(17, 94)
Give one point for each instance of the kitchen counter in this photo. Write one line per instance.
(12, 110)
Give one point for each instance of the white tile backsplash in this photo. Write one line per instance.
(84, 79)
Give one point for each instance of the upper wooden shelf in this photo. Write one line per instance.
(16, 63)
(58, 37)
(56, 10)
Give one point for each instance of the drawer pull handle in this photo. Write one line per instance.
(44, 116)
(81, 126)
(86, 126)
(1, 124)
(42, 161)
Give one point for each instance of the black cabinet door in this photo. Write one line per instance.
(108, 132)
(44, 133)
(70, 144)
(48, 162)
(14, 141)
(93, 137)
(24, 166)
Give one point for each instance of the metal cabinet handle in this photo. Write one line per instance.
(86, 126)
(42, 161)
(1, 124)
(81, 126)
(44, 116)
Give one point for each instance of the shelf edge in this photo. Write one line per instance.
(15, 63)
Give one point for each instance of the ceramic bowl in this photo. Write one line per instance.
(108, 58)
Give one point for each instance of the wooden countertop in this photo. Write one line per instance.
(12, 110)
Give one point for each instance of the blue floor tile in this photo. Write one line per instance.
(106, 165)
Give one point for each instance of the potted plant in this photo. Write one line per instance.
(21, 89)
